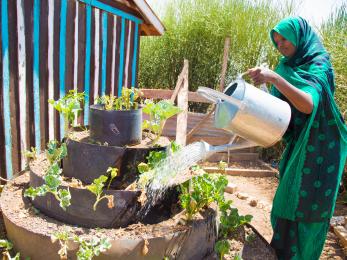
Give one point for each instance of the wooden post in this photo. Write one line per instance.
(180, 81)
(182, 103)
(225, 63)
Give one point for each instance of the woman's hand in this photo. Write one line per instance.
(261, 75)
(301, 100)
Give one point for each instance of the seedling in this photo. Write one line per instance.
(54, 152)
(63, 238)
(90, 248)
(113, 174)
(52, 182)
(87, 248)
(7, 246)
(153, 159)
(30, 154)
(69, 107)
(222, 166)
(230, 219)
(96, 188)
(158, 114)
(129, 100)
(222, 247)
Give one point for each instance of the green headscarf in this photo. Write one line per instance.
(316, 144)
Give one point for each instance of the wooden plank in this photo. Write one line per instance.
(168, 93)
(14, 87)
(243, 172)
(22, 80)
(198, 125)
(43, 74)
(182, 103)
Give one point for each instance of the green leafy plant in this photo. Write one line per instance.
(200, 192)
(55, 152)
(222, 247)
(7, 247)
(113, 172)
(87, 248)
(158, 114)
(153, 159)
(97, 188)
(129, 100)
(52, 180)
(222, 166)
(30, 154)
(230, 219)
(63, 238)
(90, 248)
(70, 107)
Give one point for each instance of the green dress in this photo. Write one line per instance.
(316, 147)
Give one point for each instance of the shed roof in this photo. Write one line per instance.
(151, 25)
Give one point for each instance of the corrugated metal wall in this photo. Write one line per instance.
(48, 47)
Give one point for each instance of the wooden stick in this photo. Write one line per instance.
(180, 81)
(198, 125)
(225, 63)
(182, 103)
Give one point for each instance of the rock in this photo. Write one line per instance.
(242, 196)
(253, 203)
(231, 188)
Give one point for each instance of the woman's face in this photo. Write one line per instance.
(283, 45)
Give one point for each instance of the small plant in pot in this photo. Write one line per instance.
(117, 120)
(69, 107)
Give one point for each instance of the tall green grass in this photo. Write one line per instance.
(196, 30)
(334, 33)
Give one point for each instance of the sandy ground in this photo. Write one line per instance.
(262, 190)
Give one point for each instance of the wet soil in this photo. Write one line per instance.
(254, 165)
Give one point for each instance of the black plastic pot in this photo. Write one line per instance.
(117, 128)
(86, 161)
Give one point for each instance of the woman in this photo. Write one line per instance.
(316, 141)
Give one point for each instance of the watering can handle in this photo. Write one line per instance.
(216, 96)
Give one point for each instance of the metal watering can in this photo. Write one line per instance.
(249, 112)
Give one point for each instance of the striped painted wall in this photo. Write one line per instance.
(48, 47)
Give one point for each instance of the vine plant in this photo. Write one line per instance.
(87, 248)
(69, 107)
(55, 153)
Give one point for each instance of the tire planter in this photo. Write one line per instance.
(81, 212)
(86, 161)
(30, 233)
(117, 128)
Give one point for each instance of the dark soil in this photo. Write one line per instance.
(19, 212)
(84, 136)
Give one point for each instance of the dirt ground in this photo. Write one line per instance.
(262, 191)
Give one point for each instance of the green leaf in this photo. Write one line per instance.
(65, 198)
(222, 247)
(7, 245)
(143, 167)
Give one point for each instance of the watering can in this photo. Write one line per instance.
(249, 112)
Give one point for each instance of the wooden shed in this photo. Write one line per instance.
(49, 47)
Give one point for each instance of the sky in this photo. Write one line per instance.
(315, 11)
